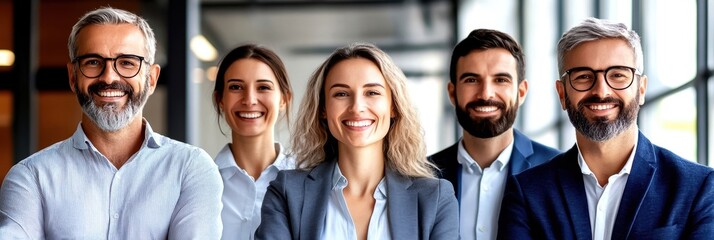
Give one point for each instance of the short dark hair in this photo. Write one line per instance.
(259, 53)
(482, 39)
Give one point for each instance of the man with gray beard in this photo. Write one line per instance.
(114, 178)
(614, 183)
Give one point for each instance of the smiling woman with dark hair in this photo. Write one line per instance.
(251, 90)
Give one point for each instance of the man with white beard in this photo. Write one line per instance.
(114, 178)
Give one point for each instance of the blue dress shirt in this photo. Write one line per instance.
(243, 195)
(338, 221)
(69, 190)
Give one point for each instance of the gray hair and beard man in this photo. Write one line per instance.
(487, 86)
(614, 183)
(114, 178)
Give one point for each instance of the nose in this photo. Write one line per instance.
(358, 104)
(109, 74)
(249, 98)
(600, 87)
(486, 91)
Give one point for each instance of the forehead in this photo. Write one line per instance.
(355, 72)
(493, 59)
(111, 40)
(600, 54)
(250, 69)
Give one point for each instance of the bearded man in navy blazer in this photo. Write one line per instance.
(614, 183)
(487, 86)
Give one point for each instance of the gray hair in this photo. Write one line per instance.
(595, 29)
(108, 15)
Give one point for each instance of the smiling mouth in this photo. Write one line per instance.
(600, 107)
(485, 109)
(250, 115)
(115, 93)
(363, 123)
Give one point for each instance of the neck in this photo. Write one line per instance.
(363, 168)
(117, 146)
(607, 158)
(254, 154)
(485, 150)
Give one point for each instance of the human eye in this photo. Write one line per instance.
(235, 87)
(126, 61)
(469, 80)
(339, 94)
(373, 93)
(264, 88)
(91, 62)
(582, 75)
(503, 80)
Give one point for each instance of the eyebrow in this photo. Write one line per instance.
(341, 85)
(241, 80)
(470, 74)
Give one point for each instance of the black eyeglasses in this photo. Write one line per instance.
(93, 65)
(617, 77)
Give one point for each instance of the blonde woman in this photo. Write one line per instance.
(251, 91)
(364, 174)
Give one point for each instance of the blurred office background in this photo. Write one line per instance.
(38, 109)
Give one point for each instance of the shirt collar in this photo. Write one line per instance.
(80, 140)
(625, 169)
(470, 164)
(338, 180)
(224, 158)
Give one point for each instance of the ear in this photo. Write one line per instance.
(522, 91)
(284, 99)
(72, 76)
(451, 88)
(560, 87)
(642, 88)
(155, 70)
(219, 101)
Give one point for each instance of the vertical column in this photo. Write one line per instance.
(701, 84)
(183, 23)
(25, 37)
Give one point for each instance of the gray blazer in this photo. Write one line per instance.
(296, 203)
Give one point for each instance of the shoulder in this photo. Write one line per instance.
(429, 186)
(445, 156)
(673, 164)
(180, 150)
(52, 155)
(548, 169)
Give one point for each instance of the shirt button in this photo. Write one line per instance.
(482, 229)
(485, 189)
(116, 215)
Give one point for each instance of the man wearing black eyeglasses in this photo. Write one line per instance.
(614, 183)
(114, 178)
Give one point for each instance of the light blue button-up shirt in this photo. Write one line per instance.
(481, 194)
(69, 190)
(338, 221)
(243, 195)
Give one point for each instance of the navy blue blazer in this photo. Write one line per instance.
(526, 154)
(295, 206)
(665, 197)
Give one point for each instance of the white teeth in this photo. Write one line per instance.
(250, 115)
(111, 93)
(602, 107)
(486, 109)
(363, 123)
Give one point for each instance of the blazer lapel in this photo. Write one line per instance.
(401, 206)
(638, 183)
(522, 149)
(316, 192)
(571, 182)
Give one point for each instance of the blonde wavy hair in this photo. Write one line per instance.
(404, 146)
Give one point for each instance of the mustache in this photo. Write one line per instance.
(116, 85)
(595, 99)
(483, 103)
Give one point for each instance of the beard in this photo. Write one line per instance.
(486, 127)
(601, 129)
(108, 116)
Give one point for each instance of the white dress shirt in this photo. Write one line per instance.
(166, 190)
(243, 195)
(481, 194)
(604, 201)
(338, 221)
